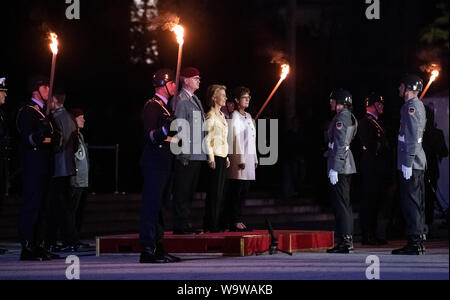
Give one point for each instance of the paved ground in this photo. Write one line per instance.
(301, 266)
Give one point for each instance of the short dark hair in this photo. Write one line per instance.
(60, 97)
(240, 91)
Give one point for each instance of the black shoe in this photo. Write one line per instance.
(413, 247)
(149, 257)
(161, 252)
(344, 247)
(3, 251)
(29, 254)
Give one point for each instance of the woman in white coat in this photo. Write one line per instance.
(243, 159)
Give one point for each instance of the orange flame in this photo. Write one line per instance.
(54, 44)
(285, 69)
(434, 75)
(179, 32)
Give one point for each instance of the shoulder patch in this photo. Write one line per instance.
(412, 111)
(339, 125)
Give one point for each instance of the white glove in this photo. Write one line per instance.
(407, 172)
(401, 138)
(333, 175)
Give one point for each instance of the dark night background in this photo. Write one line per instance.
(230, 42)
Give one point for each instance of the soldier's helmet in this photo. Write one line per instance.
(3, 87)
(413, 83)
(342, 96)
(373, 98)
(162, 77)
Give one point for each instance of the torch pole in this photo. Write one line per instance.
(268, 99)
(180, 55)
(426, 90)
(52, 79)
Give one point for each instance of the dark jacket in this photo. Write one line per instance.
(65, 150)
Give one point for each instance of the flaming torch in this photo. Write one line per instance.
(284, 73)
(434, 76)
(179, 32)
(54, 49)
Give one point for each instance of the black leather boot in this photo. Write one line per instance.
(149, 256)
(413, 247)
(30, 253)
(345, 246)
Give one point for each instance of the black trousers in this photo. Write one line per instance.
(215, 195)
(3, 178)
(61, 213)
(36, 179)
(412, 195)
(373, 176)
(340, 198)
(237, 191)
(184, 188)
(79, 197)
(156, 169)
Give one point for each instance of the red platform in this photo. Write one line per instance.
(227, 243)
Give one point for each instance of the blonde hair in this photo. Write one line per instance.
(211, 92)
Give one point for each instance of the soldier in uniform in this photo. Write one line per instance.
(412, 163)
(374, 167)
(341, 166)
(4, 147)
(156, 163)
(36, 132)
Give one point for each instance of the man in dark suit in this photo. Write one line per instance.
(156, 163)
(60, 206)
(374, 167)
(189, 163)
(4, 147)
(36, 133)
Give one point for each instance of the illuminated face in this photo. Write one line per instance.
(379, 107)
(44, 90)
(244, 101)
(80, 121)
(193, 83)
(2, 97)
(171, 86)
(220, 98)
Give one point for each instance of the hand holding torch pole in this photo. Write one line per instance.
(54, 48)
(179, 32)
(284, 73)
(434, 76)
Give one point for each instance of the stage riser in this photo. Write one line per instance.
(229, 244)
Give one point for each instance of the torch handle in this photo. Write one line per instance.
(52, 79)
(268, 99)
(177, 80)
(426, 90)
